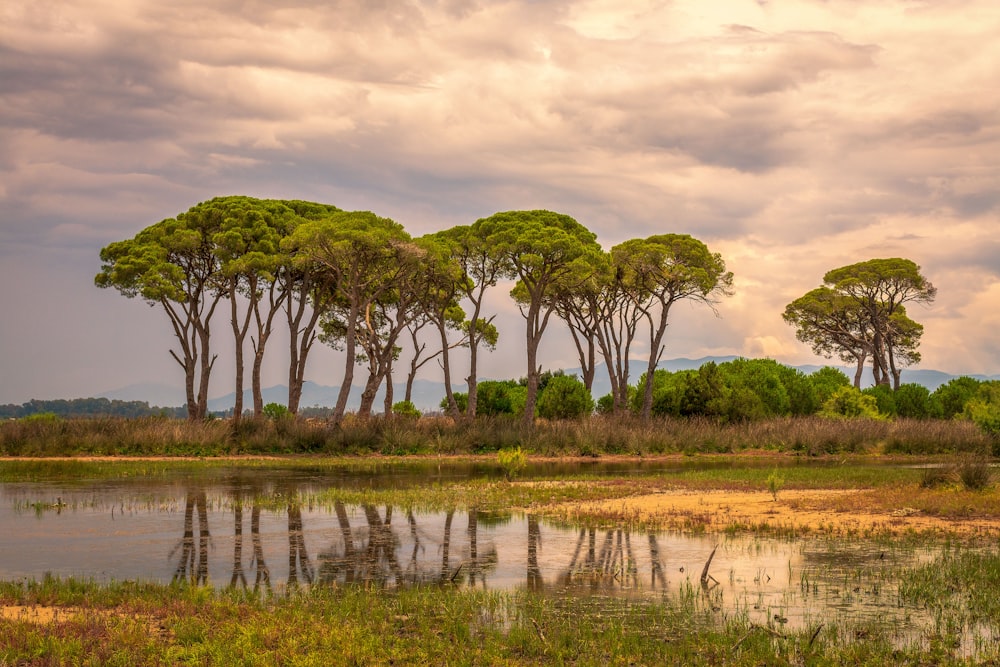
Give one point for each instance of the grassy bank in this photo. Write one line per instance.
(68, 622)
(597, 436)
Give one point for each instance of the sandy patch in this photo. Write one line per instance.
(39, 614)
(812, 510)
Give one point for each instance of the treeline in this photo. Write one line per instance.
(756, 389)
(86, 407)
(360, 283)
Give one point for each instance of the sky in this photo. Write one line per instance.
(791, 136)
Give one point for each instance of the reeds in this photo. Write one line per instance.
(597, 436)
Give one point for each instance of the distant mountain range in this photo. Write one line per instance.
(427, 394)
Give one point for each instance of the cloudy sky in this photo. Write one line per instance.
(792, 136)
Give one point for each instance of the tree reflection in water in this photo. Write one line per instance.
(193, 564)
(298, 558)
(257, 564)
(378, 552)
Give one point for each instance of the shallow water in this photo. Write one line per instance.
(213, 527)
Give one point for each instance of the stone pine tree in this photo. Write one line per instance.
(860, 313)
(173, 264)
(544, 252)
(359, 253)
(482, 267)
(248, 246)
(308, 294)
(658, 272)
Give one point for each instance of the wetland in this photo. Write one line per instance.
(702, 559)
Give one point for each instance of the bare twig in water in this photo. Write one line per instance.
(815, 634)
(704, 573)
(541, 635)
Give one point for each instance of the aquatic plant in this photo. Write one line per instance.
(774, 484)
(512, 462)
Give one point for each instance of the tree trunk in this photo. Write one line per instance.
(300, 340)
(190, 366)
(239, 336)
(387, 404)
(264, 328)
(655, 352)
(859, 373)
(446, 367)
(414, 367)
(350, 345)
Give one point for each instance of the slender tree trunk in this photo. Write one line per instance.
(239, 335)
(859, 373)
(533, 338)
(446, 367)
(590, 368)
(586, 354)
(387, 404)
(655, 352)
(188, 357)
(190, 371)
(205, 372)
(471, 381)
(350, 345)
(414, 366)
(474, 338)
(300, 341)
(264, 328)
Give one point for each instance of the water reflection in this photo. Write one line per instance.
(195, 531)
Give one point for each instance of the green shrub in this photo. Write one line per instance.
(405, 409)
(848, 402)
(984, 408)
(826, 381)
(949, 399)
(565, 397)
(496, 397)
(885, 399)
(41, 418)
(912, 401)
(276, 411)
(461, 401)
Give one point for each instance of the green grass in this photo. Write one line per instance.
(128, 623)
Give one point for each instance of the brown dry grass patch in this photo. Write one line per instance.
(836, 511)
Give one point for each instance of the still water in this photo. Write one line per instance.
(249, 528)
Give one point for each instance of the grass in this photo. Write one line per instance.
(128, 623)
(597, 436)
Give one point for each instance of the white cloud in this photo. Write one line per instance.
(792, 137)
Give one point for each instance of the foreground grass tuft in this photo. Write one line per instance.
(127, 623)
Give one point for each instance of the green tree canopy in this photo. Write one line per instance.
(660, 271)
(545, 252)
(173, 263)
(359, 252)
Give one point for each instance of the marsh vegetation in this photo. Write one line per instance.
(372, 561)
